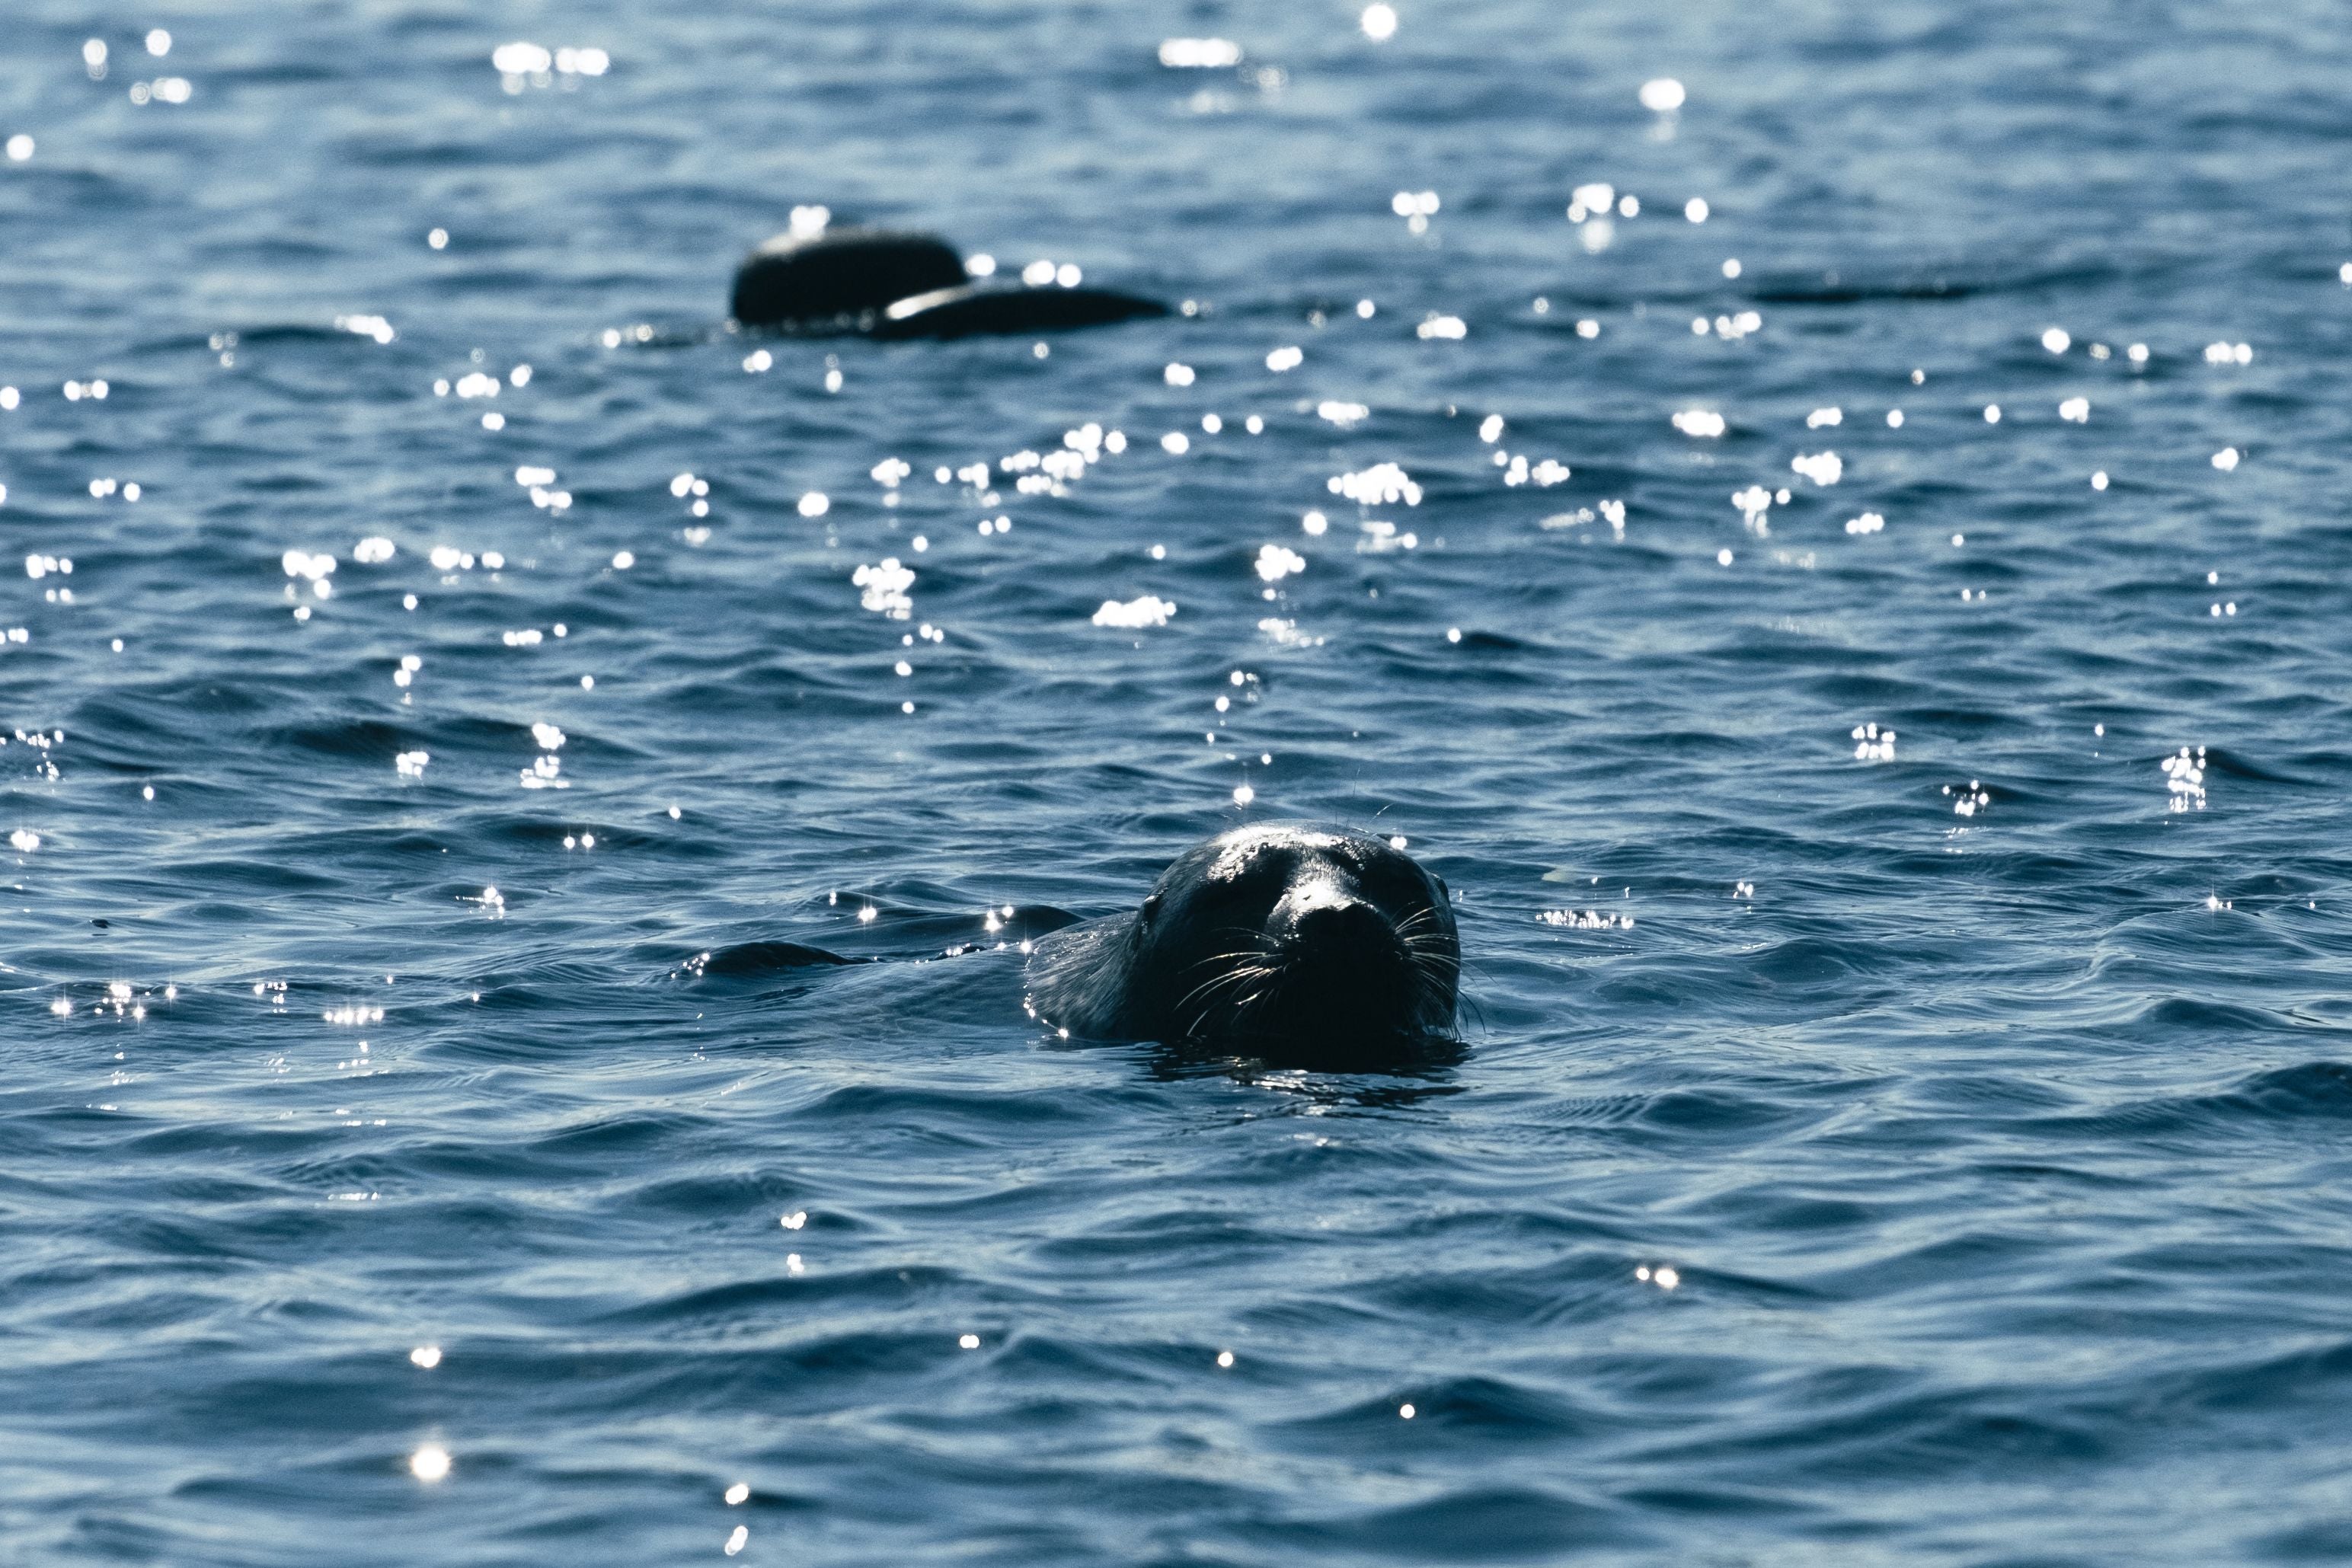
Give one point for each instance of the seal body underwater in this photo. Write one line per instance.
(976, 308)
(888, 283)
(1275, 940)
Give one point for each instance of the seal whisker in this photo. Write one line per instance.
(1228, 957)
(1413, 922)
(1211, 1021)
(1244, 963)
(1437, 963)
(1477, 1013)
(1259, 943)
(1209, 987)
(1417, 933)
(1242, 956)
(1216, 994)
(1250, 1003)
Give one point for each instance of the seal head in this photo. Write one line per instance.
(894, 284)
(1275, 940)
(839, 280)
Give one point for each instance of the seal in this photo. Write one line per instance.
(975, 309)
(893, 284)
(1278, 939)
(840, 279)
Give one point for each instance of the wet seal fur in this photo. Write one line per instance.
(1313, 945)
(891, 284)
(839, 280)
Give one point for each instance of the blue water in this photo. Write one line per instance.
(1924, 1149)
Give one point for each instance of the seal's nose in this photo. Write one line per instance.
(1340, 925)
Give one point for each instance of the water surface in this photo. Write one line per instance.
(1903, 1111)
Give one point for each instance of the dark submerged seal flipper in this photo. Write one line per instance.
(1289, 942)
(839, 281)
(910, 934)
(760, 958)
(972, 310)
